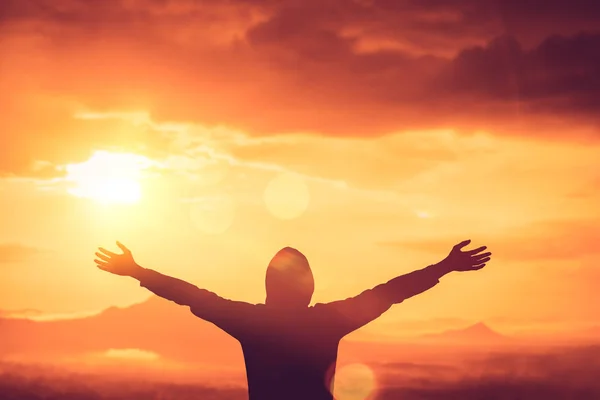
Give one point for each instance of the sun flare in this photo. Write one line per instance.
(110, 178)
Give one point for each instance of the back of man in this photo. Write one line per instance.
(290, 355)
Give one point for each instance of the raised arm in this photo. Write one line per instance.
(352, 313)
(226, 314)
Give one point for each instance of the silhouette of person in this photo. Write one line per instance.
(290, 348)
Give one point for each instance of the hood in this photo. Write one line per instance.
(289, 280)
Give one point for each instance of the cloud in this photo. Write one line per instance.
(269, 67)
(547, 240)
(132, 354)
(558, 76)
(17, 381)
(16, 253)
(544, 373)
(37, 315)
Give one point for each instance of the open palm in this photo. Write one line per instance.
(471, 260)
(119, 264)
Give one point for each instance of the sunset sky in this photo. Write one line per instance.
(371, 135)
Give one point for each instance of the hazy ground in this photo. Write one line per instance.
(559, 373)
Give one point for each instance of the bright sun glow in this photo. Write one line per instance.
(108, 177)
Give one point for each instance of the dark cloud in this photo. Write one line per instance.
(560, 75)
(353, 68)
(557, 373)
(542, 373)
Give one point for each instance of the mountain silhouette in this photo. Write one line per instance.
(478, 333)
(155, 325)
(174, 333)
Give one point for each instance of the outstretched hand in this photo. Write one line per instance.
(119, 264)
(471, 260)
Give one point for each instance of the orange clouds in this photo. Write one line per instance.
(276, 67)
(395, 114)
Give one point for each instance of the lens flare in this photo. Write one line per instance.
(354, 382)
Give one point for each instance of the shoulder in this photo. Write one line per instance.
(322, 309)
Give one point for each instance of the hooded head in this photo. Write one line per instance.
(289, 281)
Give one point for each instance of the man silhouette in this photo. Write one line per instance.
(290, 348)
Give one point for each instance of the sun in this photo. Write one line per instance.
(109, 178)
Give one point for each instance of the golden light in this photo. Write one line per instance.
(287, 196)
(132, 354)
(423, 214)
(354, 382)
(108, 177)
(213, 214)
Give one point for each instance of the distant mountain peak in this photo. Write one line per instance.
(478, 332)
(480, 328)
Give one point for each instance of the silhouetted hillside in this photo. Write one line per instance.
(475, 334)
(156, 325)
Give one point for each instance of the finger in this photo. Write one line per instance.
(122, 247)
(483, 260)
(102, 257)
(100, 262)
(102, 267)
(107, 252)
(477, 267)
(462, 244)
(475, 251)
(479, 256)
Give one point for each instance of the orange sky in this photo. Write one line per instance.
(370, 148)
